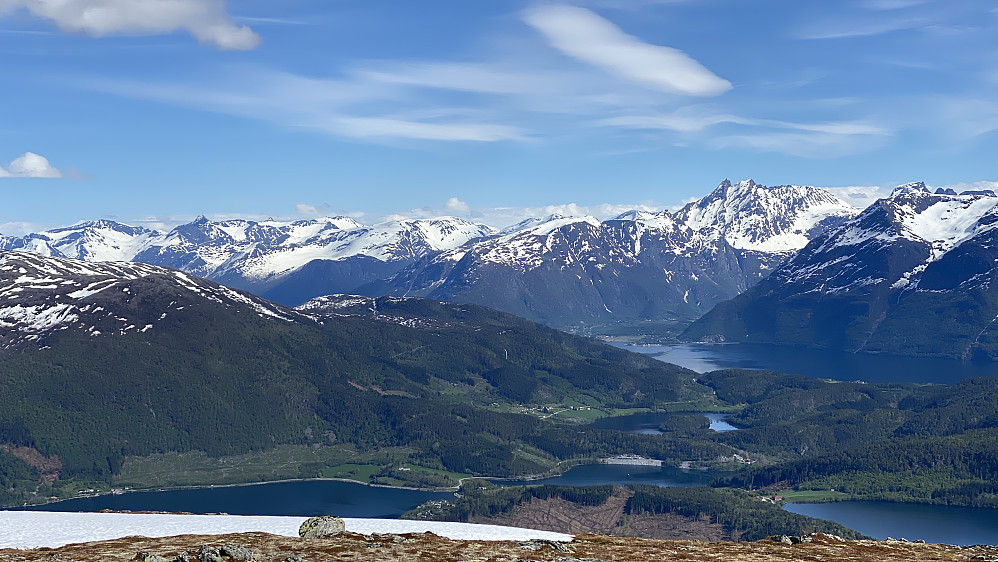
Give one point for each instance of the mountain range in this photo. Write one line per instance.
(914, 274)
(562, 271)
(794, 265)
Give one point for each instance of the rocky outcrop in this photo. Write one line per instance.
(321, 527)
(588, 548)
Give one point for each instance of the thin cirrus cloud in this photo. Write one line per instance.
(206, 20)
(587, 37)
(820, 139)
(846, 30)
(342, 108)
(30, 165)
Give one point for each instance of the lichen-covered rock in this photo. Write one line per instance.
(147, 557)
(237, 552)
(322, 526)
(209, 554)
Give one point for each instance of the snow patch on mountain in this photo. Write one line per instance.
(40, 294)
(750, 216)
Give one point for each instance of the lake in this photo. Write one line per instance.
(931, 523)
(648, 423)
(823, 364)
(307, 497)
(349, 499)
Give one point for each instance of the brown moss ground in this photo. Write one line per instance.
(427, 547)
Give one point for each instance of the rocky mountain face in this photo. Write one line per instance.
(563, 271)
(637, 267)
(41, 295)
(912, 274)
(337, 253)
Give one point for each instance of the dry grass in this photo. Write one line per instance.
(428, 547)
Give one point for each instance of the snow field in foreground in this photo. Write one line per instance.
(34, 529)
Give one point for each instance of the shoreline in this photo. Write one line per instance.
(452, 489)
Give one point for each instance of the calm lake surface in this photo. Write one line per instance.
(308, 497)
(815, 363)
(932, 523)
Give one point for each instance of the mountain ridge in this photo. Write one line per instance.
(622, 266)
(912, 274)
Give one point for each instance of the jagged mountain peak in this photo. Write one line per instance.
(751, 216)
(909, 188)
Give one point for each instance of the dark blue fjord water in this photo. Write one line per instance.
(823, 364)
(931, 523)
(349, 499)
(306, 497)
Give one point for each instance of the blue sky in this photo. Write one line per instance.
(154, 111)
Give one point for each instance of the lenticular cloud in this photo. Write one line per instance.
(587, 37)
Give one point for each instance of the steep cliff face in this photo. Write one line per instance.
(912, 274)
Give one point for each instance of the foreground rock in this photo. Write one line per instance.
(427, 546)
(321, 527)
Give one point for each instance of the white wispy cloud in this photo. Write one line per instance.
(828, 139)
(455, 205)
(973, 186)
(21, 228)
(501, 217)
(803, 143)
(346, 107)
(685, 120)
(206, 20)
(587, 37)
(860, 196)
(30, 165)
(375, 127)
(849, 29)
(892, 4)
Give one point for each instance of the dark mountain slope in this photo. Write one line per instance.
(106, 361)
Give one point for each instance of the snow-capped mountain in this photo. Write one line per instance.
(911, 274)
(750, 216)
(556, 269)
(255, 255)
(636, 267)
(40, 295)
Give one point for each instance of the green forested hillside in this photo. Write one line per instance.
(209, 379)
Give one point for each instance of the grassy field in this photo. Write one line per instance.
(811, 496)
(351, 471)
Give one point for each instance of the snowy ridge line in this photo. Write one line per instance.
(938, 222)
(40, 294)
(747, 215)
(251, 249)
(38, 529)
